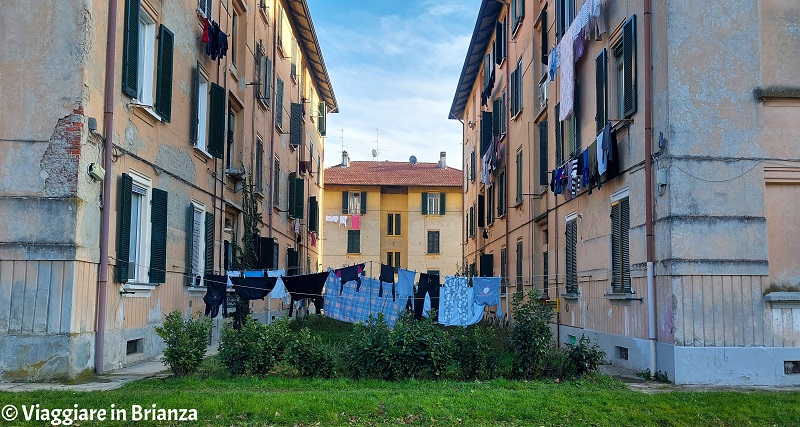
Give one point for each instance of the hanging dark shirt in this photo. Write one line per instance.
(350, 273)
(216, 294)
(306, 286)
(250, 288)
(428, 284)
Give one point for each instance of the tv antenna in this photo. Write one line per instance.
(376, 151)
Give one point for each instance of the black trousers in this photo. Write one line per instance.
(428, 284)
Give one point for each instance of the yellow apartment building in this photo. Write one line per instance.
(406, 215)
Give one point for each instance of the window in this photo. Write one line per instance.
(516, 90)
(294, 59)
(519, 267)
(264, 64)
(559, 128)
(503, 269)
(279, 104)
(601, 91)
(145, 69)
(565, 14)
(545, 272)
(486, 131)
(354, 203)
(433, 272)
(501, 194)
(296, 127)
(471, 221)
(313, 214)
(230, 140)
(517, 13)
(234, 36)
(322, 115)
(620, 244)
(433, 203)
(490, 205)
(503, 113)
(216, 121)
(393, 225)
(393, 259)
(204, 8)
(353, 241)
(472, 166)
(296, 196)
(200, 243)
(200, 138)
(572, 254)
(545, 46)
(259, 165)
(142, 236)
(433, 242)
(625, 57)
(500, 42)
(518, 193)
(276, 183)
(543, 171)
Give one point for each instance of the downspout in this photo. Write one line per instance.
(464, 193)
(272, 125)
(105, 213)
(648, 182)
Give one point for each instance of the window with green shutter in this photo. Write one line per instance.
(472, 166)
(571, 255)
(296, 124)
(559, 128)
(519, 263)
(124, 228)
(209, 241)
(393, 224)
(543, 148)
(322, 112)
(601, 91)
(313, 214)
(481, 212)
(216, 121)
(353, 241)
(130, 49)
(629, 68)
(163, 104)
(490, 205)
(501, 194)
(518, 193)
(486, 131)
(620, 245)
(433, 242)
(279, 104)
(296, 196)
(158, 237)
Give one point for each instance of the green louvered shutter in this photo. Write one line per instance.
(130, 49)
(442, 208)
(216, 121)
(292, 194)
(486, 131)
(481, 212)
(363, 203)
(345, 196)
(124, 229)
(629, 67)
(571, 255)
(279, 103)
(543, 153)
(575, 128)
(496, 117)
(559, 125)
(299, 197)
(209, 242)
(616, 261)
(296, 124)
(601, 94)
(313, 218)
(625, 225)
(166, 41)
(193, 136)
(424, 203)
(158, 237)
(191, 230)
(267, 81)
(323, 117)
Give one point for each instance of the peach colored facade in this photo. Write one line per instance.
(188, 131)
(724, 180)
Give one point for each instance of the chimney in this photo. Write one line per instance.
(345, 159)
(442, 163)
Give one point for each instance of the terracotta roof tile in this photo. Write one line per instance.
(393, 173)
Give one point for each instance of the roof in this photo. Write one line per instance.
(481, 35)
(393, 173)
(301, 17)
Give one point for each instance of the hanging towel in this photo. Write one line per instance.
(216, 294)
(404, 289)
(332, 218)
(343, 220)
(487, 292)
(455, 308)
(356, 222)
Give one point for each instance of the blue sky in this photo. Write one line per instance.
(394, 66)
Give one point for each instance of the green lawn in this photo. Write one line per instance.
(282, 400)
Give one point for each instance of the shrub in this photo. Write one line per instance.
(584, 356)
(556, 364)
(531, 336)
(254, 348)
(185, 341)
(473, 352)
(306, 354)
(369, 349)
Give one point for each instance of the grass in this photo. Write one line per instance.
(280, 401)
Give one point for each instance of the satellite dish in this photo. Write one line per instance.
(413, 160)
(374, 153)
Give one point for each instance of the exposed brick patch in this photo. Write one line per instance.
(62, 157)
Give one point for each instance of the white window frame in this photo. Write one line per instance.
(204, 8)
(354, 203)
(146, 68)
(142, 220)
(199, 242)
(202, 114)
(433, 203)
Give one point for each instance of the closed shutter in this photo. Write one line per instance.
(267, 85)
(543, 153)
(130, 50)
(216, 121)
(513, 81)
(191, 245)
(296, 124)
(487, 265)
(433, 242)
(616, 261)
(209, 240)
(629, 65)
(194, 123)
(267, 253)
(166, 42)
(313, 214)
(390, 225)
(353, 241)
(601, 94)
(397, 224)
(472, 166)
(544, 44)
(571, 254)
(363, 203)
(293, 262)
(486, 131)
(279, 103)
(496, 117)
(518, 190)
(292, 194)
(299, 197)
(559, 125)
(424, 203)
(625, 225)
(442, 206)
(481, 211)
(321, 120)
(124, 229)
(158, 237)
(345, 197)
(574, 140)
(498, 43)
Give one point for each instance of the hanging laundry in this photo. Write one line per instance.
(387, 276)
(404, 289)
(566, 74)
(603, 145)
(253, 273)
(250, 288)
(356, 220)
(594, 177)
(297, 227)
(216, 294)
(313, 239)
(613, 167)
(454, 306)
(428, 285)
(552, 64)
(343, 220)
(205, 38)
(332, 218)
(305, 286)
(217, 45)
(583, 166)
(351, 273)
(574, 180)
(487, 293)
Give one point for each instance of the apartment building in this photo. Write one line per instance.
(671, 258)
(193, 101)
(400, 214)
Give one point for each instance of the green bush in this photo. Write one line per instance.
(369, 350)
(473, 352)
(531, 336)
(307, 354)
(584, 356)
(185, 341)
(254, 348)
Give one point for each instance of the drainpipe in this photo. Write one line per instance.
(648, 181)
(272, 125)
(105, 213)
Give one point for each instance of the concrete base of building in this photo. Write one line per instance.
(721, 366)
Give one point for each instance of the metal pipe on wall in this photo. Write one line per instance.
(648, 182)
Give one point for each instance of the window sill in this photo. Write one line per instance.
(783, 299)
(518, 205)
(622, 296)
(571, 295)
(203, 154)
(433, 253)
(196, 291)
(137, 290)
(145, 112)
(516, 116)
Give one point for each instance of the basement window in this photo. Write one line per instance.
(791, 367)
(622, 353)
(135, 347)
